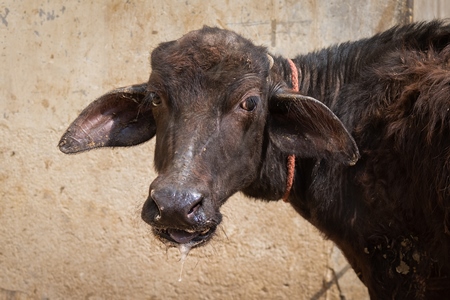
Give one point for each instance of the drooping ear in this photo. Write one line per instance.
(305, 127)
(118, 118)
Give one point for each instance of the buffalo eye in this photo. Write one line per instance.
(155, 99)
(249, 103)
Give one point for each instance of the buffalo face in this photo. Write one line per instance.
(224, 121)
(209, 102)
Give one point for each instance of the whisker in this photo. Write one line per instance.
(224, 232)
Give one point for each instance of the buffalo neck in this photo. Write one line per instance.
(325, 72)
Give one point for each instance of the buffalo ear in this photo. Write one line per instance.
(118, 118)
(305, 127)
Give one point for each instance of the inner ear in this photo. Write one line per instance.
(118, 118)
(305, 127)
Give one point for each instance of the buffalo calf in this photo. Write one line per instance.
(362, 150)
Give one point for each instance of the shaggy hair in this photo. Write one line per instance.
(390, 214)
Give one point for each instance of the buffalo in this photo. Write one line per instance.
(356, 137)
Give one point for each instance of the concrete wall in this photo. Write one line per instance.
(70, 225)
(428, 10)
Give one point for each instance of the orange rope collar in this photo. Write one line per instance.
(291, 157)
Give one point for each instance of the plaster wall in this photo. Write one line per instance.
(428, 10)
(70, 225)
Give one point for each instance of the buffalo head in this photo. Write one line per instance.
(225, 121)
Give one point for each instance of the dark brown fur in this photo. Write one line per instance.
(390, 214)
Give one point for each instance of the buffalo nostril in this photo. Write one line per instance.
(197, 203)
(159, 206)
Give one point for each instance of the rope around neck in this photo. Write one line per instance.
(291, 157)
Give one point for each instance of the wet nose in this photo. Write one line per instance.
(174, 208)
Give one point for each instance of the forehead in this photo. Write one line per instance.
(209, 53)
